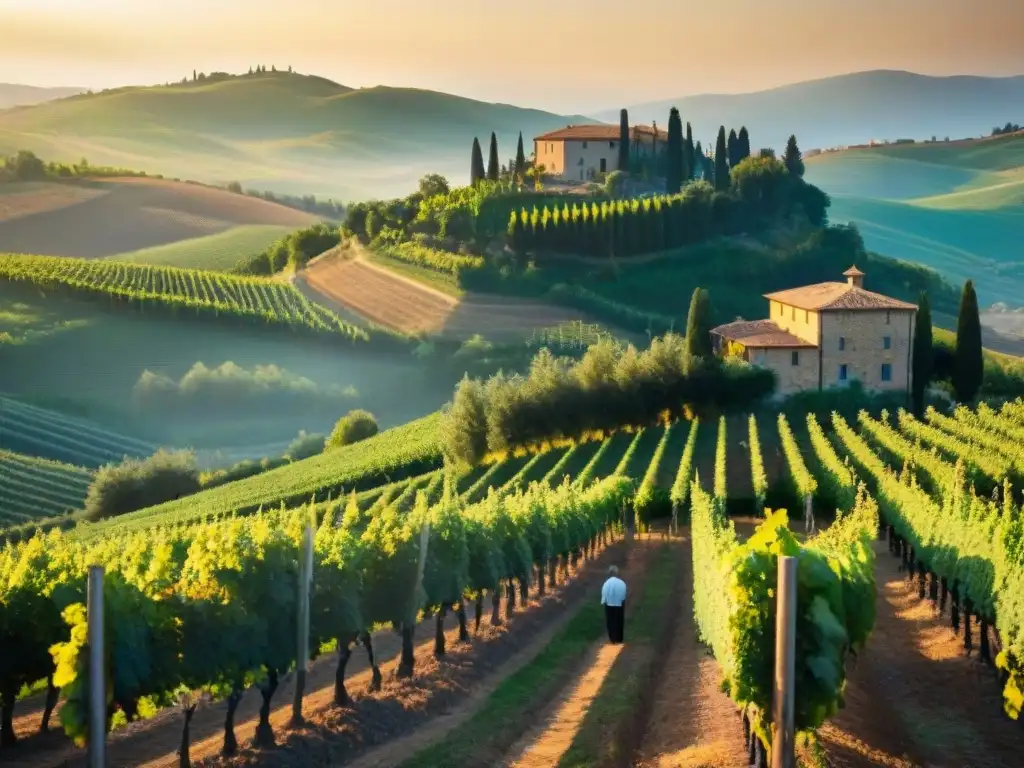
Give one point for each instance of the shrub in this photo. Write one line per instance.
(135, 484)
(351, 428)
(306, 445)
(610, 387)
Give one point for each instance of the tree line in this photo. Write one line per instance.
(515, 170)
(610, 387)
(963, 366)
(762, 192)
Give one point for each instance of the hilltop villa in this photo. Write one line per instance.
(580, 152)
(826, 335)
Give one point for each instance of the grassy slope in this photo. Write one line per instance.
(305, 134)
(221, 251)
(956, 207)
(389, 456)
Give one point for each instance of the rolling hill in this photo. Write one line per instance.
(292, 133)
(15, 95)
(145, 220)
(955, 206)
(848, 109)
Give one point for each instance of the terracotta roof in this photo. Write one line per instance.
(598, 133)
(760, 333)
(838, 296)
(853, 272)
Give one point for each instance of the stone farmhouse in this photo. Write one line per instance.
(828, 335)
(581, 152)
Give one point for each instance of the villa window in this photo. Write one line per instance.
(886, 372)
(888, 317)
(793, 313)
(887, 342)
(584, 145)
(842, 343)
(795, 358)
(611, 145)
(843, 372)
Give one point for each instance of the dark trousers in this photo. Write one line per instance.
(615, 618)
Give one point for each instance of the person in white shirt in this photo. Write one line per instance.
(613, 598)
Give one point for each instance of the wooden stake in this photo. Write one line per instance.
(783, 698)
(97, 678)
(302, 641)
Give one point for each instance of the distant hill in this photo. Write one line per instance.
(147, 220)
(287, 132)
(849, 109)
(955, 206)
(13, 95)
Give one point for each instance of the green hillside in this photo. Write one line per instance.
(287, 131)
(221, 251)
(955, 206)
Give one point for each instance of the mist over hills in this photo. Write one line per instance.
(292, 133)
(849, 109)
(14, 95)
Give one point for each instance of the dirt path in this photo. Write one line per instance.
(154, 742)
(913, 697)
(693, 724)
(548, 740)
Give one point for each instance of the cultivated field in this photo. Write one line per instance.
(539, 666)
(394, 301)
(108, 217)
(32, 488)
(956, 207)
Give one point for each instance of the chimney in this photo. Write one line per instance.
(854, 277)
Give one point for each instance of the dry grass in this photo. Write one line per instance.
(113, 216)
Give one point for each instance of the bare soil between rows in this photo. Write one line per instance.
(913, 697)
(556, 725)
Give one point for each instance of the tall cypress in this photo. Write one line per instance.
(520, 158)
(674, 153)
(690, 152)
(734, 148)
(492, 160)
(744, 139)
(923, 355)
(792, 158)
(721, 162)
(623, 141)
(968, 365)
(698, 325)
(476, 164)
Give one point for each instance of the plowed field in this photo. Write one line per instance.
(357, 286)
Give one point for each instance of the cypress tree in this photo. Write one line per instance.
(623, 141)
(698, 325)
(968, 365)
(744, 139)
(476, 164)
(690, 152)
(721, 162)
(923, 355)
(792, 159)
(734, 148)
(520, 159)
(493, 166)
(674, 153)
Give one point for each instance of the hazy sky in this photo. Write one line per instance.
(563, 55)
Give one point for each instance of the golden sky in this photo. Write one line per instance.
(562, 55)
